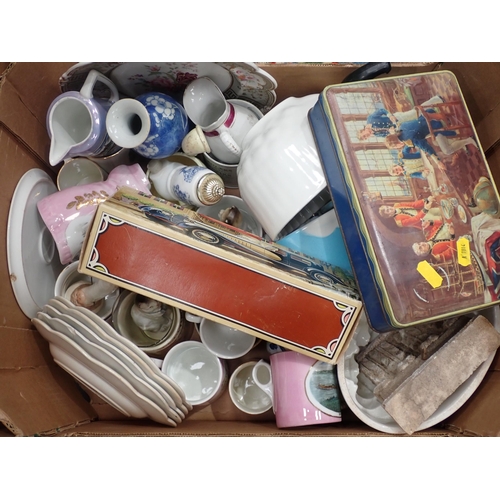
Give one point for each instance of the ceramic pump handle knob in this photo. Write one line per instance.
(88, 294)
(193, 185)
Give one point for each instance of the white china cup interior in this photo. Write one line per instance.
(124, 324)
(245, 394)
(77, 172)
(199, 373)
(224, 341)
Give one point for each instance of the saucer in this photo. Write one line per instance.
(237, 80)
(32, 260)
(106, 331)
(89, 341)
(103, 371)
(369, 410)
(91, 381)
(89, 378)
(76, 319)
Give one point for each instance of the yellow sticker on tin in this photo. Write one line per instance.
(463, 250)
(429, 274)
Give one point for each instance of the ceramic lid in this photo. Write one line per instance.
(32, 260)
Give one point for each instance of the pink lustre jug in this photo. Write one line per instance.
(67, 213)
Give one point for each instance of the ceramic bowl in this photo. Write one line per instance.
(280, 176)
(200, 374)
(369, 410)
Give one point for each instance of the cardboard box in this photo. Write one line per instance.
(38, 398)
(190, 261)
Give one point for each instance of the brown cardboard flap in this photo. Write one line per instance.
(302, 79)
(36, 396)
(229, 429)
(480, 415)
(25, 95)
(479, 83)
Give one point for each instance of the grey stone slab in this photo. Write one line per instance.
(421, 394)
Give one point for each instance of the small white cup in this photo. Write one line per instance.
(245, 394)
(222, 340)
(200, 374)
(77, 172)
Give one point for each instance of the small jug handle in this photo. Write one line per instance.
(87, 90)
(261, 374)
(192, 318)
(229, 142)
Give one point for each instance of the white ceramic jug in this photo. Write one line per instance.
(76, 122)
(224, 124)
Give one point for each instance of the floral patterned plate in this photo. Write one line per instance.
(237, 80)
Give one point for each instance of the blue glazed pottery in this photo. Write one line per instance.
(153, 124)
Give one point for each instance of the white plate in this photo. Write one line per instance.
(104, 372)
(141, 359)
(237, 80)
(367, 408)
(32, 259)
(88, 341)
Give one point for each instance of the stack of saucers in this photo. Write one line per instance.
(108, 364)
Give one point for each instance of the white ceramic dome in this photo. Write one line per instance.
(280, 176)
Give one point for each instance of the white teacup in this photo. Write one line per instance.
(167, 327)
(222, 340)
(245, 394)
(200, 374)
(225, 123)
(77, 172)
(228, 172)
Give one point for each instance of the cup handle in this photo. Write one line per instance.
(87, 90)
(229, 142)
(261, 374)
(192, 318)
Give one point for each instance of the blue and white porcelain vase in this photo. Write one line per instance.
(190, 184)
(152, 124)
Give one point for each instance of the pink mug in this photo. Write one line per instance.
(304, 391)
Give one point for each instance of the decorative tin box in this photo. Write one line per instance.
(211, 269)
(415, 198)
